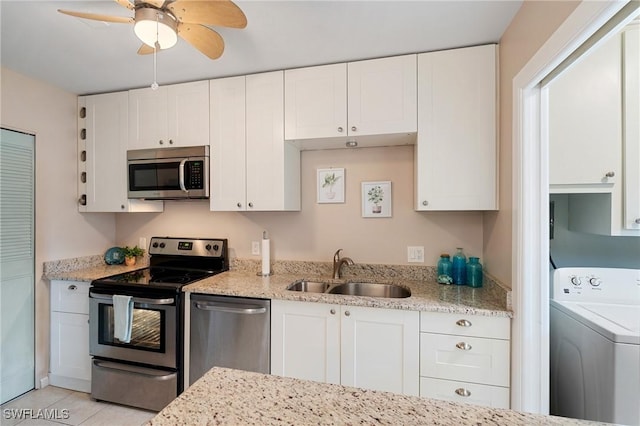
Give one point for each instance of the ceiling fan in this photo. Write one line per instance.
(158, 23)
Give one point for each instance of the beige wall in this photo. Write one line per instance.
(319, 229)
(532, 26)
(61, 232)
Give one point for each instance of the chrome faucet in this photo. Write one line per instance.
(338, 262)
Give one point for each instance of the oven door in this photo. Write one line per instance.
(169, 178)
(153, 333)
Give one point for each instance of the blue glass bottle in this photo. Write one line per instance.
(459, 267)
(445, 269)
(474, 272)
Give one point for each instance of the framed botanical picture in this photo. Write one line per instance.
(330, 185)
(376, 199)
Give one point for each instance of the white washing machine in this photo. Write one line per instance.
(595, 344)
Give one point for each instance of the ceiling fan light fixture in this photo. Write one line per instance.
(155, 25)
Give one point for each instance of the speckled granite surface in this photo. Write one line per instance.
(234, 397)
(242, 280)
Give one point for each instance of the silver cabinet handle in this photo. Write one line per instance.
(463, 323)
(161, 142)
(463, 392)
(610, 174)
(72, 287)
(354, 128)
(231, 309)
(239, 205)
(251, 205)
(347, 313)
(340, 129)
(333, 312)
(464, 346)
(637, 221)
(170, 141)
(425, 203)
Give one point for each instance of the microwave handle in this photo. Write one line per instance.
(181, 174)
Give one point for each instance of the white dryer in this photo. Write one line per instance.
(595, 344)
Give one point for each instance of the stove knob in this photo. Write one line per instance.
(595, 282)
(155, 245)
(216, 247)
(576, 281)
(162, 245)
(208, 247)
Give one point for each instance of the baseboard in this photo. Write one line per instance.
(81, 385)
(44, 382)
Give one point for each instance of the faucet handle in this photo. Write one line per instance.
(336, 256)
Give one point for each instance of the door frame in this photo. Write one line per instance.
(530, 192)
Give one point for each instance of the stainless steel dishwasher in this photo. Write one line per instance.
(230, 332)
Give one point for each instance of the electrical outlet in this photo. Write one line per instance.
(415, 254)
(142, 243)
(255, 248)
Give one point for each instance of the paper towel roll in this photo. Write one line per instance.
(266, 267)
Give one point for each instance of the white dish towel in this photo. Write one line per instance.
(122, 317)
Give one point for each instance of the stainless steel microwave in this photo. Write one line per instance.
(168, 173)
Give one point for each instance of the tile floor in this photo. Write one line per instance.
(62, 406)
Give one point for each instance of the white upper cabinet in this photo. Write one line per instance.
(585, 122)
(456, 149)
(348, 100)
(103, 147)
(253, 169)
(171, 116)
(631, 104)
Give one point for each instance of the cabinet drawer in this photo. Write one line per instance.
(465, 325)
(472, 393)
(468, 359)
(70, 296)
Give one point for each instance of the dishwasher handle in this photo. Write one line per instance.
(230, 308)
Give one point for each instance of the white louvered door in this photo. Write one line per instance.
(17, 361)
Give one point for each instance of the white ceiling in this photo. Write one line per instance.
(86, 57)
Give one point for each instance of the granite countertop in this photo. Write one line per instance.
(242, 280)
(234, 397)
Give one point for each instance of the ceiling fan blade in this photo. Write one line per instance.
(202, 38)
(96, 17)
(125, 3)
(223, 13)
(145, 49)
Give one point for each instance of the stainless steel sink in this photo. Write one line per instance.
(371, 290)
(309, 286)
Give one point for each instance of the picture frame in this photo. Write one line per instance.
(376, 199)
(330, 185)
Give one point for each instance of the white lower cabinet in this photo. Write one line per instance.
(70, 363)
(371, 348)
(465, 358)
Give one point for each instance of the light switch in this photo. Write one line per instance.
(415, 254)
(255, 248)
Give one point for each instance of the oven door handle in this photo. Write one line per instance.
(181, 174)
(169, 301)
(219, 307)
(134, 370)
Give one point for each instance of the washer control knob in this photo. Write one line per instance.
(216, 247)
(595, 281)
(208, 247)
(576, 281)
(154, 245)
(162, 245)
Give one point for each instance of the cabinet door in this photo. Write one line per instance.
(188, 114)
(148, 126)
(70, 296)
(632, 128)
(106, 125)
(456, 149)
(315, 102)
(382, 96)
(380, 349)
(585, 120)
(70, 345)
(106, 152)
(227, 137)
(273, 166)
(305, 340)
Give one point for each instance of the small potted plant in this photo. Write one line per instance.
(131, 254)
(376, 194)
(330, 180)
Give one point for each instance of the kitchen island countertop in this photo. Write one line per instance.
(234, 397)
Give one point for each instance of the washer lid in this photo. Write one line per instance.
(618, 323)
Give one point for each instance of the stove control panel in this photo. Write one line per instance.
(188, 247)
(599, 285)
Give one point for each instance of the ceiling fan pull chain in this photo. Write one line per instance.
(156, 46)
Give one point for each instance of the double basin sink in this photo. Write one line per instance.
(352, 288)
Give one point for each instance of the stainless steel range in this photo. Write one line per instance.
(146, 370)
